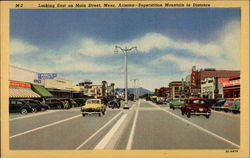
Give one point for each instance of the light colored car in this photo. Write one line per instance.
(176, 103)
(93, 106)
(235, 108)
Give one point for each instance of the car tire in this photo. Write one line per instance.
(173, 108)
(207, 116)
(182, 112)
(24, 111)
(100, 114)
(83, 115)
(226, 110)
(33, 110)
(188, 114)
(42, 109)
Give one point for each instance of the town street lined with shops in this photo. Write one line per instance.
(144, 126)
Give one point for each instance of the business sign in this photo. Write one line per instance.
(20, 84)
(42, 76)
(227, 83)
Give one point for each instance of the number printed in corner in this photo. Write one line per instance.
(19, 5)
(232, 151)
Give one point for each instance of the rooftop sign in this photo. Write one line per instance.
(42, 76)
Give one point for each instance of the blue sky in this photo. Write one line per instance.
(79, 44)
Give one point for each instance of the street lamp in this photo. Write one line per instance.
(125, 51)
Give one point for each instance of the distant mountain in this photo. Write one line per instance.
(141, 91)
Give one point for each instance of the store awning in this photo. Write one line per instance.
(42, 91)
(18, 92)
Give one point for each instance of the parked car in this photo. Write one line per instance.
(168, 100)
(218, 104)
(54, 103)
(196, 106)
(114, 104)
(93, 106)
(68, 103)
(36, 105)
(160, 100)
(176, 103)
(80, 101)
(229, 102)
(19, 106)
(235, 108)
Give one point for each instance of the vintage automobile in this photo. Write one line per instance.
(218, 104)
(114, 104)
(229, 102)
(20, 106)
(54, 103)
(176, 103)
(196, 106)
(235, 108)
(93, 106)
(36, 105)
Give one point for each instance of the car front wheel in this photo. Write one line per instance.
(34, 110)
(24, 111)
(100, 114)
(182, 112)
(188, 114)
(207, 116)
(83, 115)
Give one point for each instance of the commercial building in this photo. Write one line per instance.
(231, 86)
(25, 84)
(59, 87)
(211, 88)
(175, 89)
(202, 74)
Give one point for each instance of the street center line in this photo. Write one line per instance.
(199, 127)
(131, 136)
(111, 133)
(48, 125)
(33, 115)
(99, 130)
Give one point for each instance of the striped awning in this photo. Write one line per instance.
(19, 92)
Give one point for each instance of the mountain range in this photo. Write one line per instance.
(141, 91)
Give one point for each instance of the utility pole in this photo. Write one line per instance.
(125, 51)
(135, 88)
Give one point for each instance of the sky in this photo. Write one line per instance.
(79, 44)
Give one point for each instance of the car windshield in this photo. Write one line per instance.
(197, 101)
(93, 102)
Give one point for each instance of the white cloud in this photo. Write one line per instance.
(20, 47)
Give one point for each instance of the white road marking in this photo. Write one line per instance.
(99, 130)
(110, 134)
(199, 127)
(132, 133)
(33, 115)
(48, 125)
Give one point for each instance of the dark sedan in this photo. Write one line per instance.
(196, 106)
(19, 106)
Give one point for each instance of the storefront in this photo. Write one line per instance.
(21, 90)
(59, 88)
(211, 88)
(26, 79)
(231, 87)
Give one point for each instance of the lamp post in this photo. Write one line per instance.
(125, 51)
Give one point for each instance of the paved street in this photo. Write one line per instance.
(144, 126)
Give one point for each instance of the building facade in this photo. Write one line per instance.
(175, 89)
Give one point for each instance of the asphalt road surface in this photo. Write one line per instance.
(144, 126)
